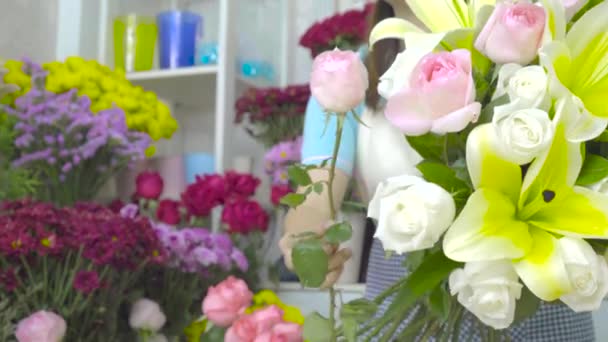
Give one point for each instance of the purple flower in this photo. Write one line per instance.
(221, 241)
(280, 177)
(205, 256)
(86, 281)
(240, 260)
(129, 211)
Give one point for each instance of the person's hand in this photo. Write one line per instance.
(337, 257)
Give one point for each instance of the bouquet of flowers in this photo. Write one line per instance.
(277, 161)
(236, 315)
(345, 31)
(72, 150)
(80, 262)
(106, 89)
(504, 102)
(275, 114)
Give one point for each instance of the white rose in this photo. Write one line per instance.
(488, 289)
(522, 134)
(412, 214)
(588, 273)
(146, 315)
(527, 87)
(573, 6)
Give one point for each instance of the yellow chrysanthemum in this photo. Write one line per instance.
(265, 298)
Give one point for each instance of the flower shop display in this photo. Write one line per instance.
(236, 315)
(345, 31)
(273, 114)
(106, 89)
(276, 163)
(71, 261)
(504, 101)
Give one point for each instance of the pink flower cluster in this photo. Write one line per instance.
(196, 250)
(347, 28)
(225, 306)
(105, 238)
(269, 103)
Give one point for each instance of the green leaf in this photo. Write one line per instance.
(298, 175)
(310, 261)
(359, 310)
(325, 162)
(526, 306)
(594, 170)
(414, 259)
(318, 187)
(439, 302)
(446, 178)
(487, 113)
(429, 146)
(434, 269)
(293, 200)
(338, 233)
(603, 137)
(349, 327)
(316, 328)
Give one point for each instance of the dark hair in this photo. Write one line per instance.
(383, 54)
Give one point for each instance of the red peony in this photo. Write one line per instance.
(245, 216)
(204, 194)
(168, 212)
(149, 185)
(278, 192)
(241, 185)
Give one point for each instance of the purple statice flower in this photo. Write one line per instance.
(221, 241)
(24, 140)
(240, 260)
(205, 257)
(129, 211)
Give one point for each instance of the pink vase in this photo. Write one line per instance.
(125, 180)
(171, 168)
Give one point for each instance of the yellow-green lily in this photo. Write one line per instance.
(578, 65)
(520, 218)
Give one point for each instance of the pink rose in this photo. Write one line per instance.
(513, 34)
(250, 327)
(282, 332)
(226, 301)
(149, 185)
(42, 326)
(338, 80)
(439, 98)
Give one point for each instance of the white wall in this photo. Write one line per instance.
(28, 28)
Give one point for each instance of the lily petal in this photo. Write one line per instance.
(486, 229)
(543, 270)
(487, 168)
(556, 58)
(551, 176)
(580, 213)
(555, 28)
(391, 28)
(588, 43)
(441, 15)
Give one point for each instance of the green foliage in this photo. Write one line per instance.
(430, 146)
(439, 301)
(316, 328)
(595, 168)
(293, 200)
(354, 313)
(310, 261)
(526, 306)
(298, 175)
(446, 177)
(15, 183)
(338, 233)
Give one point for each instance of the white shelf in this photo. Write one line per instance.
(167, 74)
(183, 85)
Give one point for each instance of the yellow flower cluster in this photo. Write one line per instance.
(105, 88)
(267, 297)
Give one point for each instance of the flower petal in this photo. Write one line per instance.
(554, 172)
(555, 57)
(555, 28)
(542, 270)
(588, 43)
(487, 168)
(406, 111)
(458, 120)
(581, 213)
(391, 28)
(441, 15)
(486, 229)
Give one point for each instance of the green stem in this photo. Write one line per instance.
(446, 158)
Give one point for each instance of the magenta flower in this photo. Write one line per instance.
(86, 281)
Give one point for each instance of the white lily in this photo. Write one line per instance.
(510, 218)
(578, 66)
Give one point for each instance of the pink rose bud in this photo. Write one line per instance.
(573, 6)
(226, 301)
(282, 332)
(338, 80)
(513, 34)
(42, 326)
(439, 98)
(149, 185)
